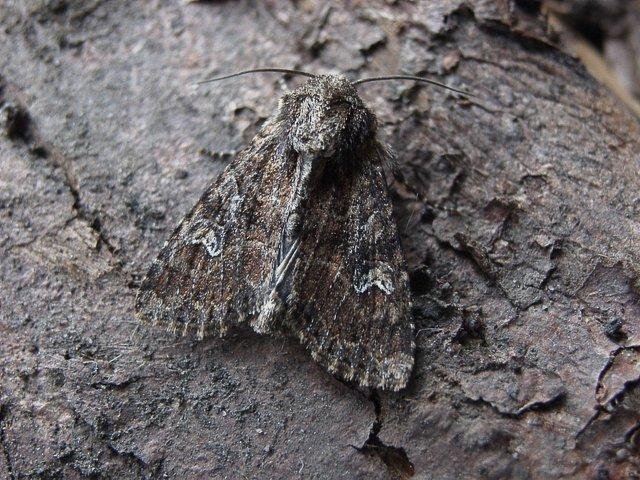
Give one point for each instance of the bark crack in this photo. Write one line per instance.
(395, 458)
(126, 455)
(536, 405)
(469, 249)
(615, 400)
(612, 356)
(19, 126)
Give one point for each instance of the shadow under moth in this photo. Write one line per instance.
(297, 237)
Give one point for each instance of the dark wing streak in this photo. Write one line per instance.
(301, 273)
(371, 341)
(388, 248)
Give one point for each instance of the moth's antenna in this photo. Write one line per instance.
(416, 79)
(258, 70)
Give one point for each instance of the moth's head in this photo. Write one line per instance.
(327, 117)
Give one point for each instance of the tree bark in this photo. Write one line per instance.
(523, 251)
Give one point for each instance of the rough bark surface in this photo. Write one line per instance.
(524, 252)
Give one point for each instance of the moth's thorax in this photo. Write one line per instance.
(327, 117)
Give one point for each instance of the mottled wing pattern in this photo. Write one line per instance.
(213, 271)
(348, 299)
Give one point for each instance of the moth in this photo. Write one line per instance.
(296, 237)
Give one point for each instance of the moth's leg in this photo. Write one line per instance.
(274, 304)
(391, 165)
(284, 268)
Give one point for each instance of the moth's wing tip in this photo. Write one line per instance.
(385, 383)
(141, 310)
(140, 316)
(144, 311)
(392, 374)
(396, 374)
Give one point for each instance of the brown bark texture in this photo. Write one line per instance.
(523, 250)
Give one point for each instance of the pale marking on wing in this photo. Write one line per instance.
(211, 235)
(381, 276)
(213, 240)
(287, 262)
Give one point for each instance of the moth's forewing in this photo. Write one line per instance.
(349, 300)
(213, 271)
